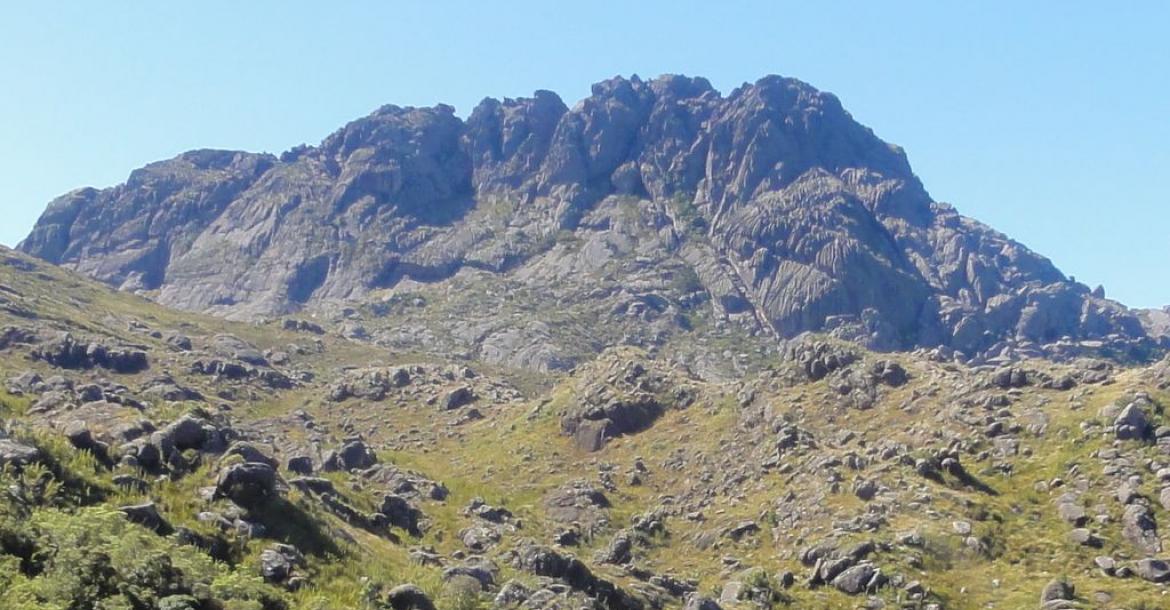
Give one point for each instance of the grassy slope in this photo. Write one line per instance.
(516, 456)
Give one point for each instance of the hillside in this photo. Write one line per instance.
(285, 465)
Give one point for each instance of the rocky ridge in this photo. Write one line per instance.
(649, 205)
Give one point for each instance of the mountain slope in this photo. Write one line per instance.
(831, 478)
(769, 208)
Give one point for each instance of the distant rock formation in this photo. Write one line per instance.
(771, 201)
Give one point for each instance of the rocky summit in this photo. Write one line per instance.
(770, 208)
(667, 349)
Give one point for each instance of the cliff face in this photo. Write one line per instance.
(782, 212)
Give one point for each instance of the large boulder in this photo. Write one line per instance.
(69, 353)
(858, 579)
(592, 424)
(250, 452)
(579, 503)
(401, 513)
(231, 346)
(300, 464)
(1153, 570)
(458, 397)
(1133, 423)
(1139, 528)
(279, 561)
(544, 561)
(250, 484)
(187, 432)
(409, 597)
(353, 455)
(368, 384)
(1058, 595)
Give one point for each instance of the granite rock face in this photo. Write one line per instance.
(786, 213)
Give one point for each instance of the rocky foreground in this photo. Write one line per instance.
(189, 462)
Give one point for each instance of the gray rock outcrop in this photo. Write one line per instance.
(771, 200)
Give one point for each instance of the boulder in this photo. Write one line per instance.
(314, 485)
(399, 512)
(619, 551)
(456, 398)
(17, 454)
(591, 435)
(250, 453)
(300, 464)
(278, 562)
(512, 594)
(577, 502)
(1132, 423)
(1056, 595)
(857, 579)
(81, 437)
(699, 602)
(481, 509)
(147, 515)
(1139, 528)
(1010, 377)
(482, 575)
(187, 432)
(249, 485)
(231, 346)
(355, 454)
(408, 597)
(544, 561)
(828, 569)
(865, 489)
(1153, 570)
(742, 530)
(66, 352)
(889, 372)
(479, 538)
(1072, 512)
(1085, 537)
(1106, 564)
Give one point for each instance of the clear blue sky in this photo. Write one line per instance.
(1047, 120)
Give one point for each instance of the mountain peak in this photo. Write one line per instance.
(785, 214)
